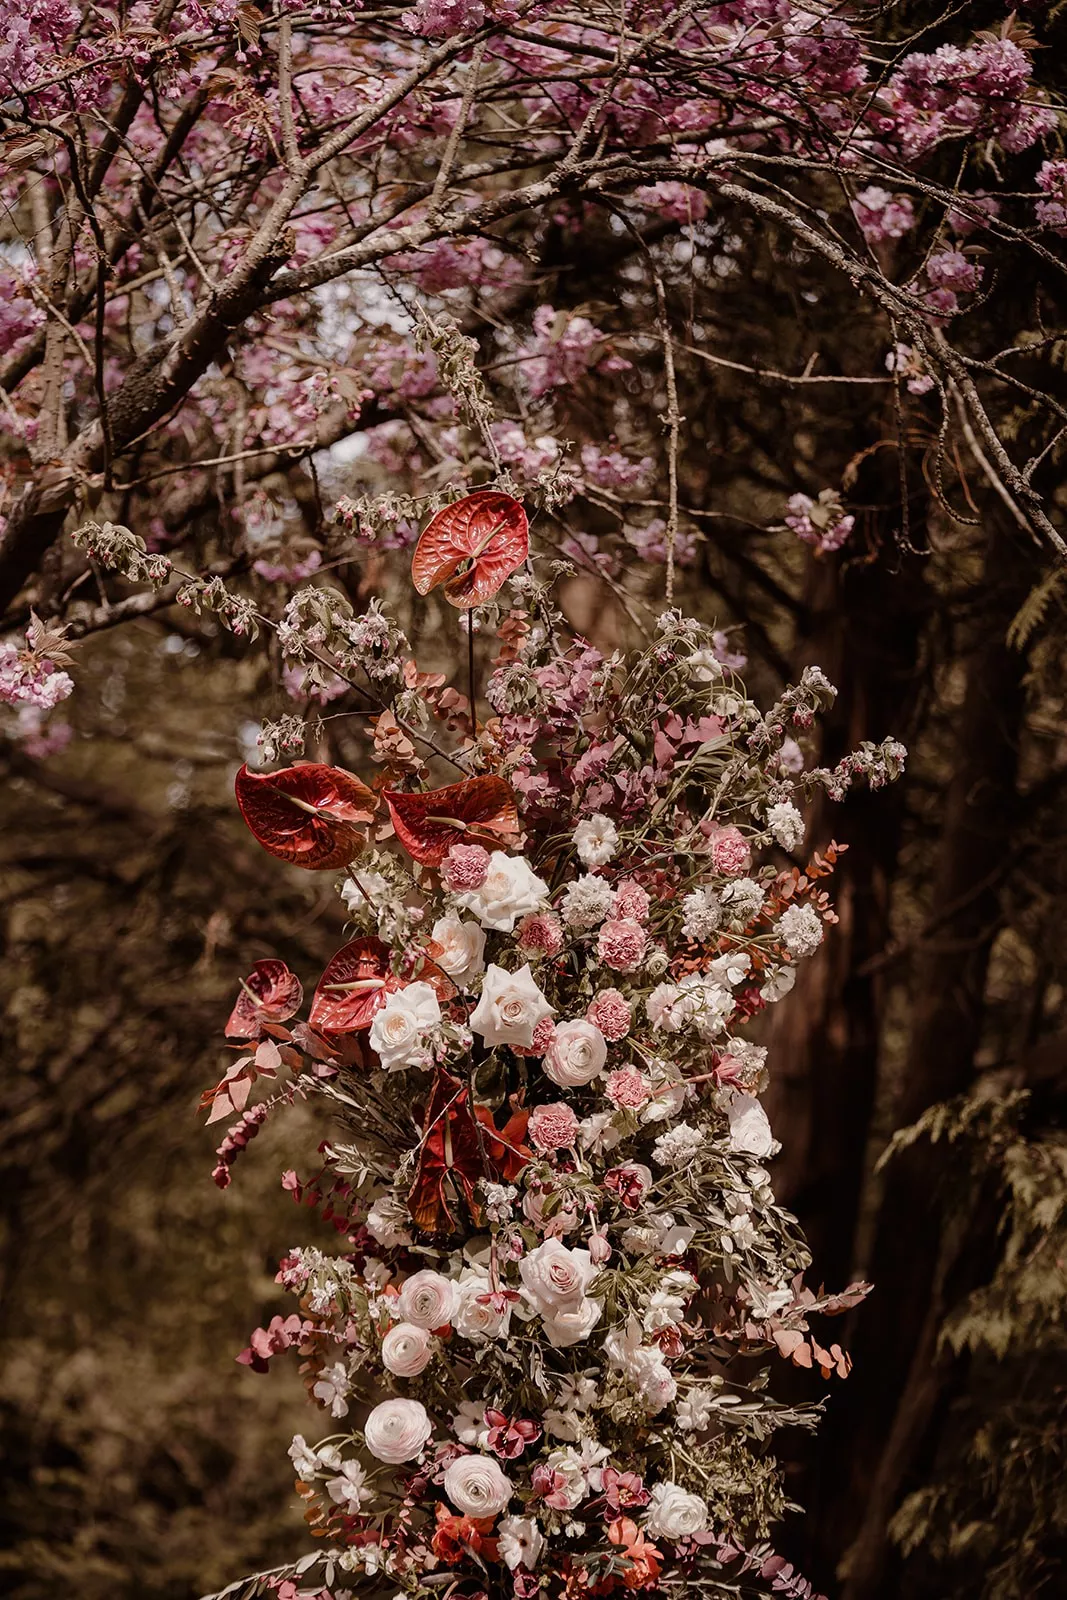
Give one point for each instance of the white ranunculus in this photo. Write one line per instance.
(674, 1512)
(596, 839)
(399, 1027)
(576, 1055)
(572, 1324)
(555, 1278)
(406, 1350)
(520, 1542)
(509, 1008)
(460, 948)
(472, 1319)
(477, 1486)
(511, 890)
(427, 1299)
(397, 1431)
(749, 1129)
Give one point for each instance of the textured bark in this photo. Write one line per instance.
(880, 1401)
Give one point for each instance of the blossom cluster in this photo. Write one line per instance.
(551, 1176)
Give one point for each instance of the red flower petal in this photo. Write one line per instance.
(486, 529)
(353, 987)
(476, 811)
(270, 993)
(308, 814)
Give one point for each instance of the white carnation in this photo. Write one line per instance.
(786, 824)
(802, 930)
(586, 902)
(701, 915)
(678, 1145)
(742, 900)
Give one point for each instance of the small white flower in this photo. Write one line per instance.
(511, 890)
(802, 930)
(693, 1411)
(460, 948)
(332, 1388)
(469, 1424)
(305, 1460)
(586, 902)
(708, 1004)
(362, 898)
(389, 1222)
(666, 1008)
(704, 666)
(520, 1542)
(509, 1008)
(777, 984)
(399, 1028)
(596, 839)
(350, 1489)
(786, 824)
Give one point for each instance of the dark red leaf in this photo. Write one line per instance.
(353, 987)
(310, 814)
(476, 811)
(270, 993)
(456, 1151)
(472, 547)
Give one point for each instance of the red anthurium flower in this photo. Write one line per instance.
(270, 993)
(471, 547)
(311, 815)
(354, 986)
(475, 811)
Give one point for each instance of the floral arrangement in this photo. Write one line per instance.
(561, 1256)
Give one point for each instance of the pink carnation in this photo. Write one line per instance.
(627, 1089)
(622, 944)
(612, 1013)
(465, 868)
(730, 852)
(541, 933)
(552, 1127)
(543, 1036)
(632, 901)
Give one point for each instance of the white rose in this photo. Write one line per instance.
(460, 948)
(397, 1430)
(477, 1487)
(509, 1008)
(556, 1278)
(511, 890)
(472, 1319)
(572, 1324)
(674, 1512)
(406, 1350)
(596, 839)
(749, 1129)
(427, 1299)
(576, 1055)
(520, 1542)
(397, 1030)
